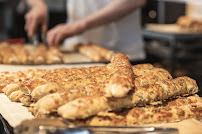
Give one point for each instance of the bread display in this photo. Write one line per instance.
(116, 94)
(23, 54)
(172, 111)
(35, 55)
(88, 106)
(121, 77)
(8, 54)
(19, 54)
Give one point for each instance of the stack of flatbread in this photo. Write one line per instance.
(20, 54)
(117, 94)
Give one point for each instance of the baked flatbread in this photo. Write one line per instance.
(172, 111)
(23, 54)
(121, 77)
(82, 108)
(54, 55)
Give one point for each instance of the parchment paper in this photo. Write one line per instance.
(13, 112)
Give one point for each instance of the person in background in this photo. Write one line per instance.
(113, 24)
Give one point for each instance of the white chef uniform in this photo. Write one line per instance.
(122, 36)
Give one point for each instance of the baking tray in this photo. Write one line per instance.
(29, 127)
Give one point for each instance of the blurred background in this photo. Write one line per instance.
(180, 53)
(184, 59)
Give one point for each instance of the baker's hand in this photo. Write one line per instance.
(37, 16)
(57, 35)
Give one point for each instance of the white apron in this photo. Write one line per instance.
(122, 36)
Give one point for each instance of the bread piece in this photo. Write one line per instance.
(18, 54)
(121, 77)
(10, 78)
(8, 54)
(36, 73)
(16, 95)
(10, 88)
(149, 114)
(84, 107)
(28, 86)
(106, 53)
(51, 102)
(143, 66)
(91, 53)
(100, 84)
(183, 101)
(39, 56)
(54, 55)
(94, 51)
(43, 90)
(153, 71)
(87, 82)
(26, 100)
(152, 115)
(148, 80)
(19, 77)
(23, 54)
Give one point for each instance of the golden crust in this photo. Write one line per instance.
(8, 54)
(39, 56)
(43, 90)
(85, 76)
(90, 53)
(106, 53)
(104, 119)
(30, 76)
(19, 54)
(84, 107)
(10, 88)
(152, 115)
(172, 111)
(16, 95)
(54, 55)
(195, 99)
(121, 77)
(26, 100)
(46, 105)
(66, 78)
(1, 59)
(95, 52)
(23, 54)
